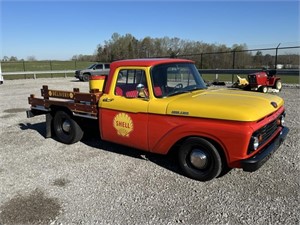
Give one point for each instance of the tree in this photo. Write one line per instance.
(5, 59)
(13, 59)
(31, 58)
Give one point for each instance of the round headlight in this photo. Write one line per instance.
(282, 120)
(255, 143)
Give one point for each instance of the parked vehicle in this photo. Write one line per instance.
(264, 80)
(163, 106)
(259, 81)
(93, 69)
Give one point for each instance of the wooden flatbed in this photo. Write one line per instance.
(79, 103)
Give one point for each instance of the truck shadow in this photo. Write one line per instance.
(168, 162)
(92, 139)
(39, 127)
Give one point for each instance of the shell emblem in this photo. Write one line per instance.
(123, 124)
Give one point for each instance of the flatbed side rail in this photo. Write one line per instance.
(79, 103)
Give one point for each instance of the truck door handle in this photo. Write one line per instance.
(108, 99)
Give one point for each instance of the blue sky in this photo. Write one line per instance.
(61, 29)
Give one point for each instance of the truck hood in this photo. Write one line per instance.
(227, 104)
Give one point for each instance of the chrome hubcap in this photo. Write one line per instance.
(66, 126)
(198, 159)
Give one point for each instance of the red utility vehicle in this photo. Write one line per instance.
(262, 81)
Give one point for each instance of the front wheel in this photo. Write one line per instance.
(66, 129)
(263, 89)
(86, 77)
(199, 159)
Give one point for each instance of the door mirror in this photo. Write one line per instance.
(141, 91)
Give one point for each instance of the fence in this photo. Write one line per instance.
(287, 58)
(269, 58)
(34, 73)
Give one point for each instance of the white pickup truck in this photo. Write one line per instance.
(93, 69)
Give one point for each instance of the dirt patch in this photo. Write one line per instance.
(61, 182)
(35, 208)
(15, 110)
(7, 116)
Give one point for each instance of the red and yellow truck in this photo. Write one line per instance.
(159, 105)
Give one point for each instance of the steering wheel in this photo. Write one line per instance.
(178, 86)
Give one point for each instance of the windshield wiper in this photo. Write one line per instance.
(197, 88)
(177, 93)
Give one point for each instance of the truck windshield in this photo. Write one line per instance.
(91, 66)
(175, 78)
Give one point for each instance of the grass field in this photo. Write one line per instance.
(74, 65)
(43, 65)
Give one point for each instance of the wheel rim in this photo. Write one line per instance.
(265, 89)
(66, 126)
(198, 159)
(279, 85)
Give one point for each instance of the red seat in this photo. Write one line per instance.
(158, 91)
(119, 91)
(132, 94)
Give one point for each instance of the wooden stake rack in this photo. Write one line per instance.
(79, 103)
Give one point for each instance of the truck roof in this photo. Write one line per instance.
(147, 62)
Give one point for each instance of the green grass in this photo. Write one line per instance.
(74, 65)
(21, 66)
(43, 65)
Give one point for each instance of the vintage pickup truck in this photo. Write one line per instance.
(163, 105)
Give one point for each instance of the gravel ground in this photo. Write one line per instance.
(93, 182)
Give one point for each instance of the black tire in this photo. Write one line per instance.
(86, 77)
(263, 89)
(66, 129)
(191, 150)
(278, 85)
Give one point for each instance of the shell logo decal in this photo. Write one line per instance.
(123, 124)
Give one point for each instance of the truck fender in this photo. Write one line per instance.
(180, 133)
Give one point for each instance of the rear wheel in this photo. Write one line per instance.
(66, 129)
(199, 159)
(278, 85)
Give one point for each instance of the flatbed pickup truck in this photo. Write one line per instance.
(163, 105)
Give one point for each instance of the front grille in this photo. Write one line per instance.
(265, 133)
(252, 79)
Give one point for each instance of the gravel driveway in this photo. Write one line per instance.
(93, 182)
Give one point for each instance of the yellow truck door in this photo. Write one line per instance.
(124, 112)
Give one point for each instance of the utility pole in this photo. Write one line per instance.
(1, 77)
(276, 56)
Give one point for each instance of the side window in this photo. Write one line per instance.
(107, 66)
(99, 67)
(127, 83)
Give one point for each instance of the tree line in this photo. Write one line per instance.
(127, 46)
(206, 56)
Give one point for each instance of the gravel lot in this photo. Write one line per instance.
(93, 182)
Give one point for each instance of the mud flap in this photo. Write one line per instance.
(49, 119)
